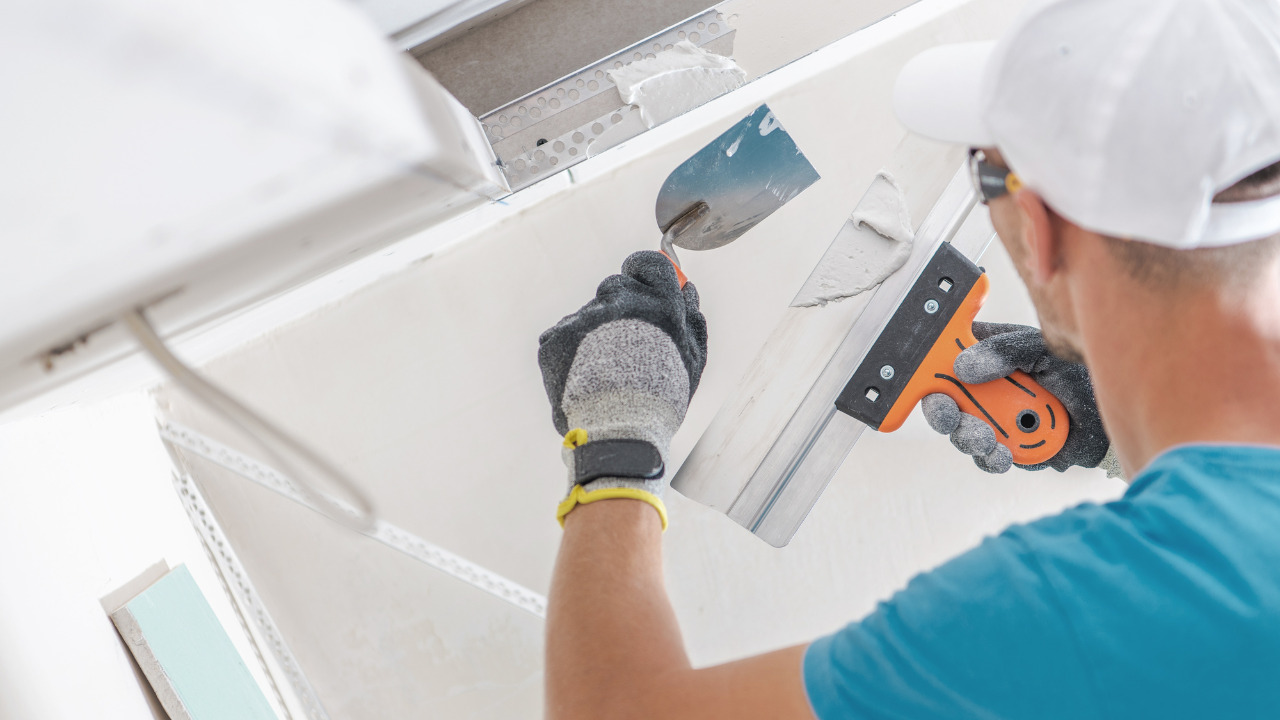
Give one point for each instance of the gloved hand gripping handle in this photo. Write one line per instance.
(915, 354)
(1026, 418)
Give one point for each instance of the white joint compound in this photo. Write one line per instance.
(676, 80)
(873, 244)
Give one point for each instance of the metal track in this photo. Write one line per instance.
(554, 127)
(244, 597)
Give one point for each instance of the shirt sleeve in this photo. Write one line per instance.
(983, 636)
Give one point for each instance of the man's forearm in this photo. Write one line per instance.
(611, 633)
(613, 646)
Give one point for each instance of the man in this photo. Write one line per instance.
(1130, 157)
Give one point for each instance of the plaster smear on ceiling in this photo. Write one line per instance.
(675, 81)
(859, 261)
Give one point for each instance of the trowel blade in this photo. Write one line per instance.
(752, 169)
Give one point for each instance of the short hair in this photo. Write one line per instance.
(1237, 264)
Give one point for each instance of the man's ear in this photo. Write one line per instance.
(1040, 235)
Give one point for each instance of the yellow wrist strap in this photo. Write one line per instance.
(579, 496)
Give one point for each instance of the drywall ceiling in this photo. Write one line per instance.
(424, 386)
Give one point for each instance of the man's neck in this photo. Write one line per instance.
(1172, 369)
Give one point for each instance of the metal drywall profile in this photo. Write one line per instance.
(804, 455)
(295, 694)
(552, 128)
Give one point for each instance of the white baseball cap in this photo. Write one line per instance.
(1126, 116)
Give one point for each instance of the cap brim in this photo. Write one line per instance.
(938, 94)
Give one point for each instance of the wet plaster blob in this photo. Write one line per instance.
(873, 244)
(676, 80)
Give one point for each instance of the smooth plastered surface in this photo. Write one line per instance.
(425, 387)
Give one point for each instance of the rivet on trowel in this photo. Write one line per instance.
(931, 306)
(886, 372)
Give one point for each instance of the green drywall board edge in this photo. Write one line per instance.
(187, 655)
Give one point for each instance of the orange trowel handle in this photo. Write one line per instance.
(1026, 418)
(679, 273)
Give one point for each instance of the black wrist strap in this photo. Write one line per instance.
(630, 459)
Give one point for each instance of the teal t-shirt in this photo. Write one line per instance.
(1162, 604)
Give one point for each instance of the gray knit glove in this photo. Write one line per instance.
(624, 367)
(1000, 350)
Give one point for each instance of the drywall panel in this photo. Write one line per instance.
(187, 655)
(424, 385)
(88, 505)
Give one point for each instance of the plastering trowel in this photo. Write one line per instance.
(729, 186)
(827, 373)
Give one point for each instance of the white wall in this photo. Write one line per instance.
(86, 504)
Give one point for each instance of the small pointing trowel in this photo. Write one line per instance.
(730, 185)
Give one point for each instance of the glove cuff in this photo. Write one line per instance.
(579, 495)
(1111, 463)
(641, 466)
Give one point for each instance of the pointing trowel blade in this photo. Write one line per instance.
(752, 169)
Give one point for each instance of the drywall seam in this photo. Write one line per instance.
(859, 261)
(390, 535)
(675, 81)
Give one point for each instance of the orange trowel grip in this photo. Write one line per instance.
(679, 273)
(1026, 418)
